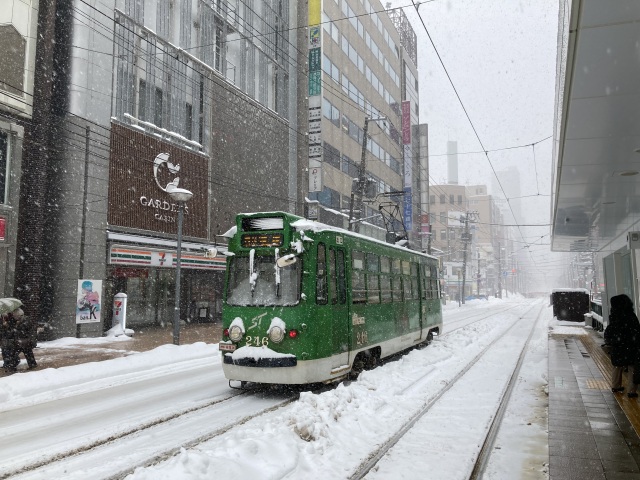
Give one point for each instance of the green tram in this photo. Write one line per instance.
(306, 302)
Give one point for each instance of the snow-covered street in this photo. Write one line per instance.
(169, 412)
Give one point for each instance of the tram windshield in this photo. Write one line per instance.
(267, 284)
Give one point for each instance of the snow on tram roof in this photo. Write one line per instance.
(583, 290)
(312, 225)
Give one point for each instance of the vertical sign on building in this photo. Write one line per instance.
(408, 164)
(315, 96)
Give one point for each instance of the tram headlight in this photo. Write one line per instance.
(276, 334)
(235, 333)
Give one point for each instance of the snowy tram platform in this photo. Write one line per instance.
(593, 433)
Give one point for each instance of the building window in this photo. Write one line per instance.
(443, 234)
(12, 59)
(331, 155)
(4, 165)
(459, 199)
(443, 198)
(451, 199)
(443, 218)
(328, 197)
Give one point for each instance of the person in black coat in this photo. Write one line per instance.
(623, 337)
(8, 335)
(26, 338)
(18, 334)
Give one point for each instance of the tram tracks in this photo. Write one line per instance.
(216, 418)
(476, 317)
(371, 463)
(129, 449)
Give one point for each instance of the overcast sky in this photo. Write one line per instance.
(501, 58)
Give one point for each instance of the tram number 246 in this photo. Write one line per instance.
(257, 341)
(361, 338)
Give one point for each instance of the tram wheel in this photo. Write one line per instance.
(359, 364)
(429, 337)
(372, 358)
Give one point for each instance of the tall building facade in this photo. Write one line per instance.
(414, 151)
(18, 27)
(134, 96)
(366, 74)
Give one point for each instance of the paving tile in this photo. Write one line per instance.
(603, 424)
(604, 415)
(620, 466)
(560, 470)
(622, 476)
(576, 450)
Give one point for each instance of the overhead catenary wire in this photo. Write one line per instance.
(463, 107)
(103, 127)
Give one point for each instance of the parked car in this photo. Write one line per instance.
(476, 297)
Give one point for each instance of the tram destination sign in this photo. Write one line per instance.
(253, 240)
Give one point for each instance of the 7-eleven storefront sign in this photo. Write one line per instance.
(147, 257)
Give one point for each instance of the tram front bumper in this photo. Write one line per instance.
(261, 362)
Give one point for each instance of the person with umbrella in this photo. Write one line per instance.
(18, 334)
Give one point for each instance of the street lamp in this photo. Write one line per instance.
(180, 196)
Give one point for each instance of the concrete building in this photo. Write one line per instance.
(488, 246)
(18, 26)
(448, 206)
(133, 95)
(368, 73)
(489, 237)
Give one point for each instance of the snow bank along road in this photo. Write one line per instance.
(171, 413)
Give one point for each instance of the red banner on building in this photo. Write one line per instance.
(3, 228)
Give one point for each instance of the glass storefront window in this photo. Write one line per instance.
(151, 294)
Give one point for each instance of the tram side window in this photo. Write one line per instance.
(358, 287)
(406, 267)
(414, 281)
(342, 279)
(385, 265)
(321, 276)
(435, 283)
(396, 289)
(332, 276)
(373, 289)
(395, 266)
(373, 262)
(406, 283)
(385, 288)
(426, 281)
(415, 292)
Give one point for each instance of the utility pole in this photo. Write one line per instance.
(466, 239)
(499, 274)
(362, 177)
(478, 272)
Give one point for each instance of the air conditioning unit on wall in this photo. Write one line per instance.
(633, 240)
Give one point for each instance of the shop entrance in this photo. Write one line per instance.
(151, 294)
